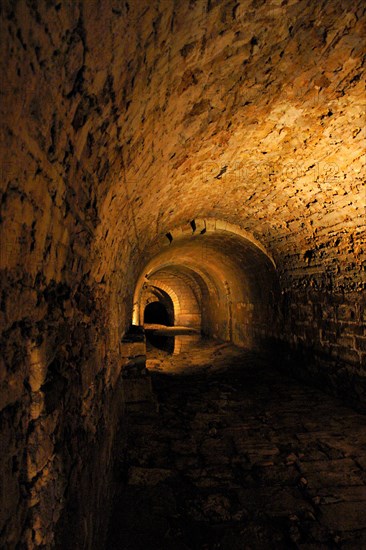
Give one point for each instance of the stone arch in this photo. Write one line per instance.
(126, 133)
(152, 294)
(138, 302)
(188, 293)
(234, 279)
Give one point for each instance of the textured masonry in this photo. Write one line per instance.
(122, 123)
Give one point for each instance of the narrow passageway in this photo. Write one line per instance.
(198, 164)
(239, 456)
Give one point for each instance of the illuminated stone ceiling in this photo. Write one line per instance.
(139, 117)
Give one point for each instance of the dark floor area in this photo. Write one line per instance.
(239, 457)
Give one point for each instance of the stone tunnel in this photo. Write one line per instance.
(192, 166)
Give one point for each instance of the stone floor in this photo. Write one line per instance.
(239, 457)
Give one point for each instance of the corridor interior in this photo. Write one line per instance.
(234, 455)
(182, 274)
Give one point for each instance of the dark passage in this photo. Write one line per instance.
(156, 313)
(237, 457)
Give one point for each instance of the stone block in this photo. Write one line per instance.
(133, 364)
(344, 516)
(347, 355)
(346, 312)
(147, 477)
(361, 343)
(132, 349)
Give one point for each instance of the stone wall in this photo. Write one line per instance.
(61, 404)
(61, 397)
(119, 123)
(323, 341)
(189, 304)
(327, 332)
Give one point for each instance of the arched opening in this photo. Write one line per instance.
(156, 314)
(223, 281)
(156, 306)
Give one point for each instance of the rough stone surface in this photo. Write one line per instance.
(240, 457)
(126, 125)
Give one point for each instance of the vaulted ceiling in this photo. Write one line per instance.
(128, 120)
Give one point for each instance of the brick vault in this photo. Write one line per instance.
(207, 155)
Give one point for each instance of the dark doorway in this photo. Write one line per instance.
(156, 313)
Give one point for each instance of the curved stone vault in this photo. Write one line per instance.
(214, 149)
(219, 279)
